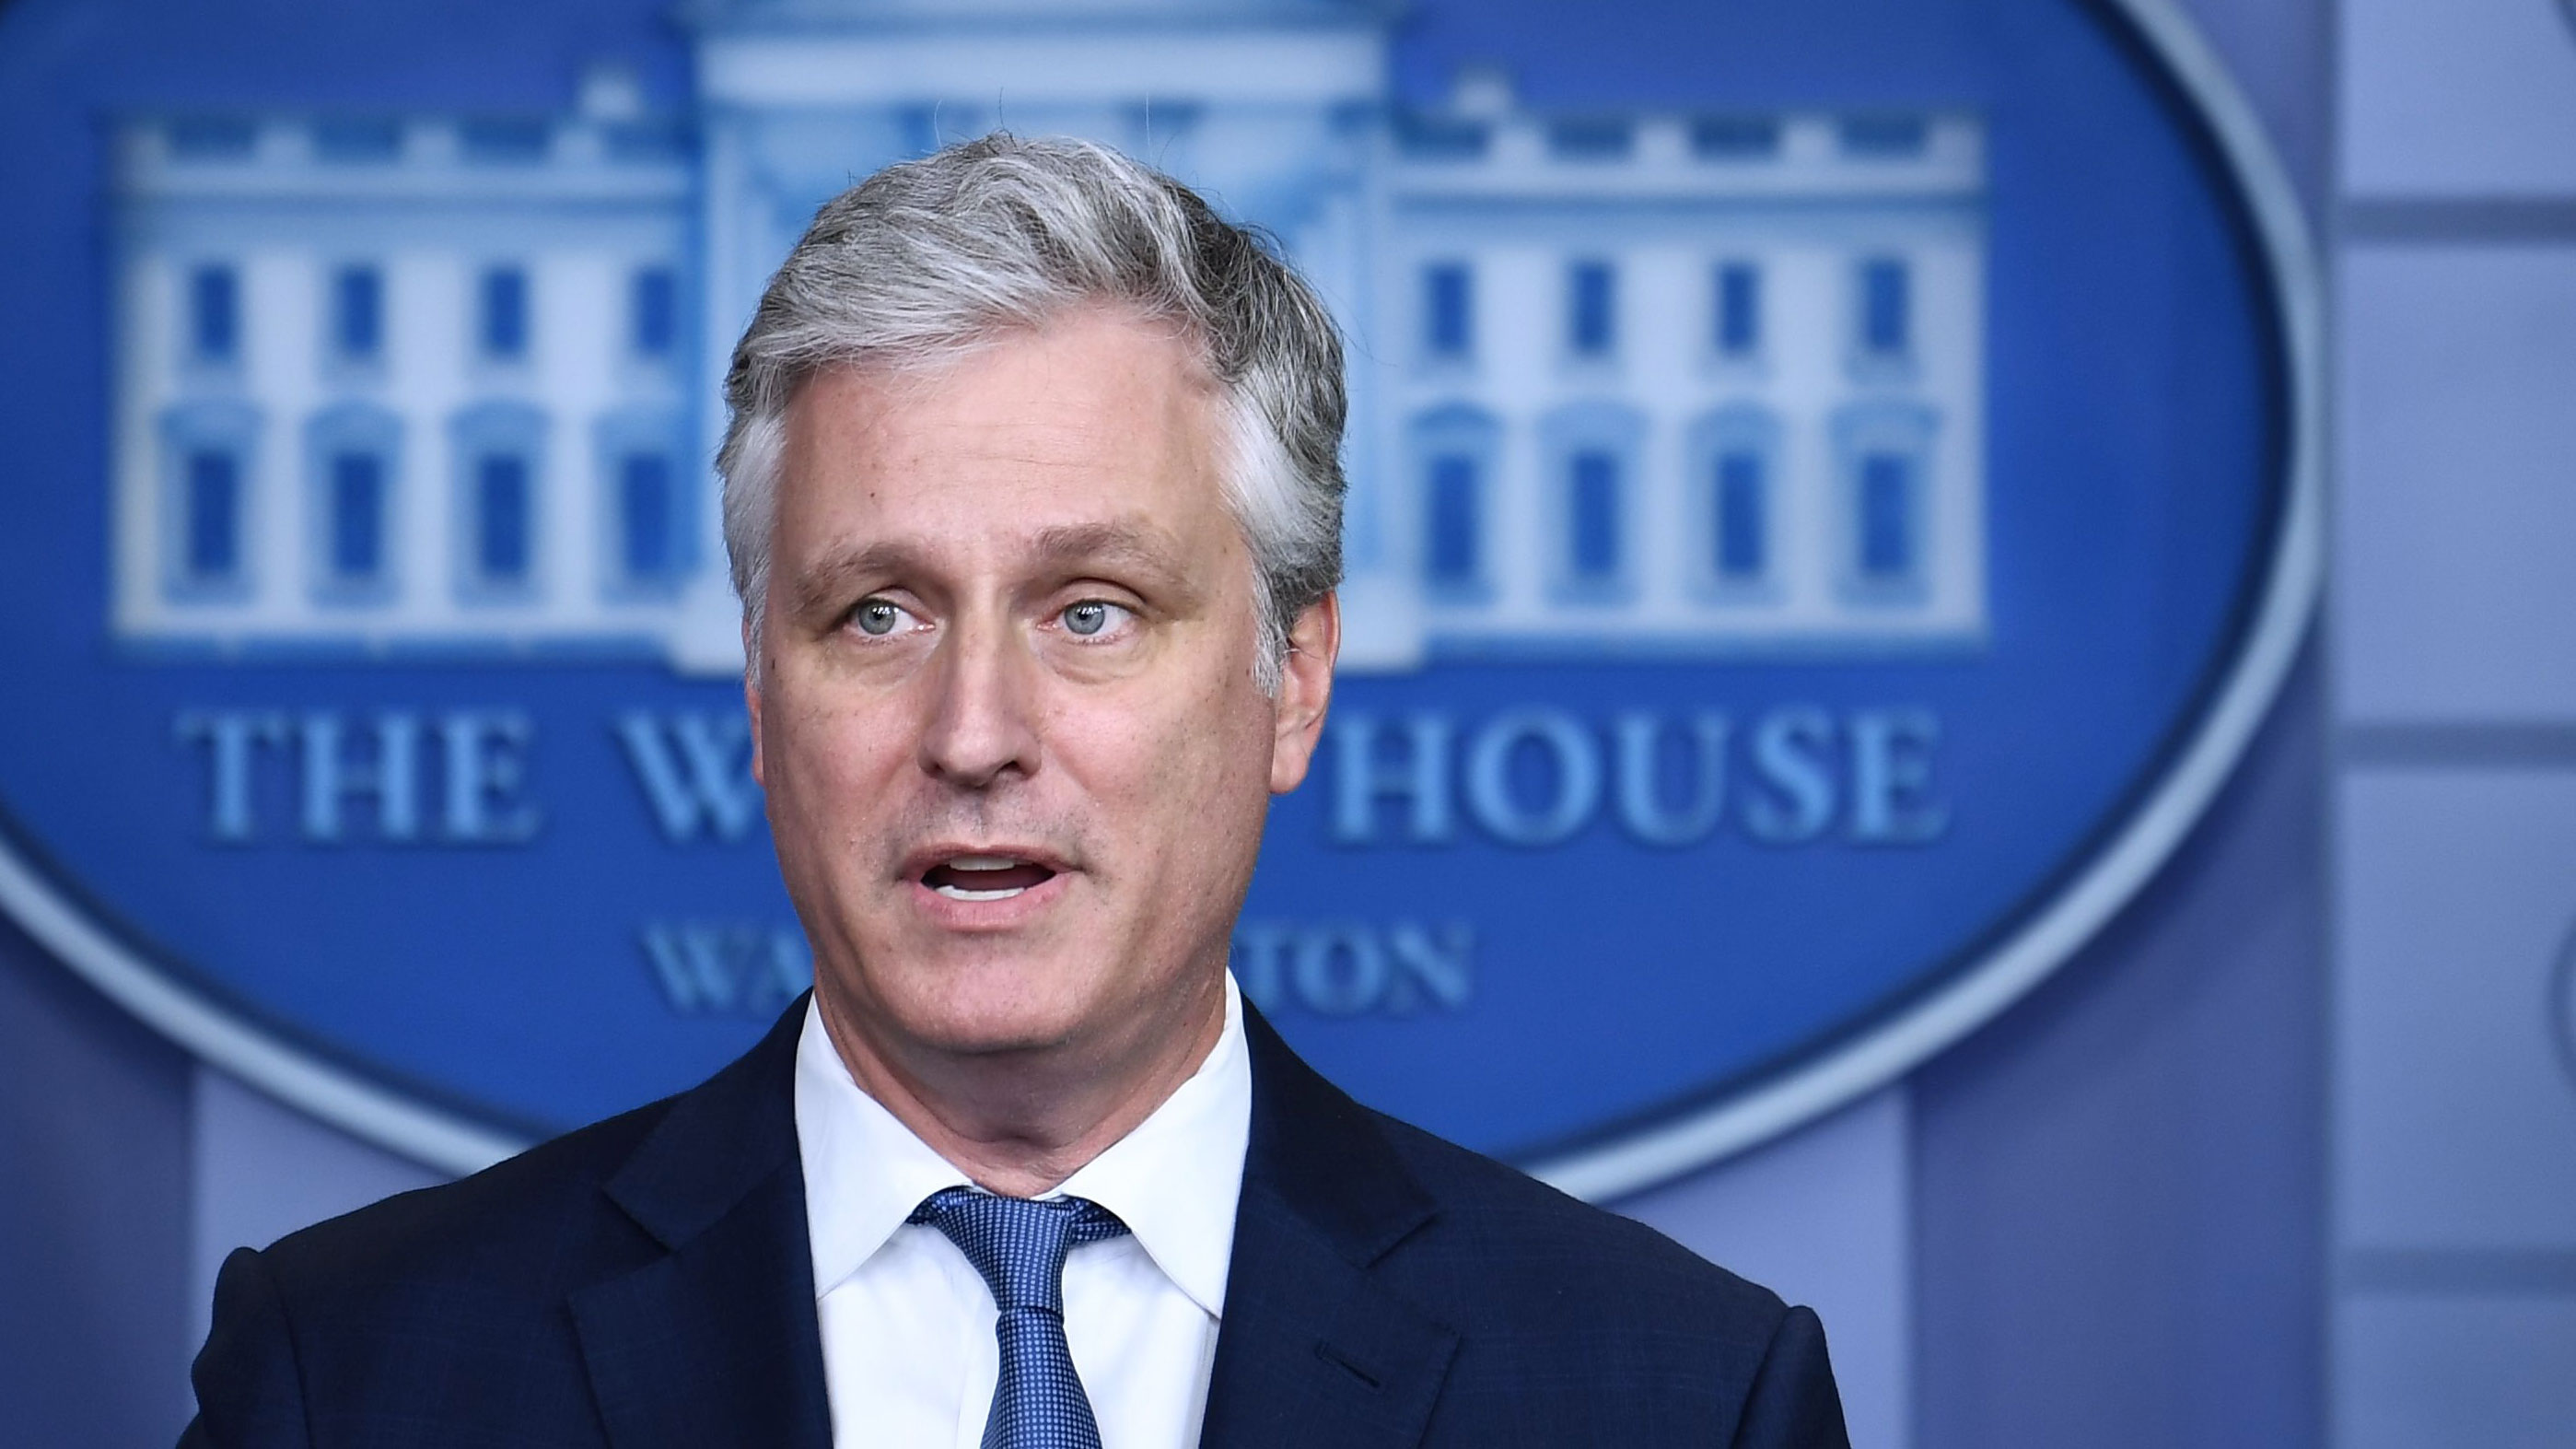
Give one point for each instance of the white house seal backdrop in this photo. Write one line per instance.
(1831, 495)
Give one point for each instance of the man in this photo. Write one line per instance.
(1032, 495)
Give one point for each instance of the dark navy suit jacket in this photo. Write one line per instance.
(645, 1283)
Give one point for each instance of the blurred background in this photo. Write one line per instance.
(1845, 757)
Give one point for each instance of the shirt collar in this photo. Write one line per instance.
(1174, 1180)
(864, 1171)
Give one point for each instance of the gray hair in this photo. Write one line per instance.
(926, 261)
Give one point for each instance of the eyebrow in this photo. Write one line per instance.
(1133, 547)
(1124, 549)
(832, 582)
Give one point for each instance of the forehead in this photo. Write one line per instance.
(1094, 416)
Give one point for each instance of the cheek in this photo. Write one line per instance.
(829, 762)
(1192, 726)
(1196, 765)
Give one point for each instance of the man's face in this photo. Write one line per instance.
(1016, 758)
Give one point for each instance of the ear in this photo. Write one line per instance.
(1305, 688)
(751, 703)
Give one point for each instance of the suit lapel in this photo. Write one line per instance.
(715, 1342)
(1313, 1350)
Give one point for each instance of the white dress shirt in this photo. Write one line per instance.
(909, 1357)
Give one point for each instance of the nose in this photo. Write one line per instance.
(982, 727)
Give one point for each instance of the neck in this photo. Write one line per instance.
(1019, 1123)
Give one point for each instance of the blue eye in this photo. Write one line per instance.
(1090, 617)
(877, 616)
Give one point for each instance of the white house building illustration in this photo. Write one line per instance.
(1622, 381)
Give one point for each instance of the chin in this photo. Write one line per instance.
(994, 1007)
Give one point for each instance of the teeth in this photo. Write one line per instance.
(951, 875)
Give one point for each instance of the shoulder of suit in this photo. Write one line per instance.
(1538, 1240)
(526, 1225)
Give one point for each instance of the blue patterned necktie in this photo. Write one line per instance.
(1019, 1245)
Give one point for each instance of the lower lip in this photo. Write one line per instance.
(992, 915)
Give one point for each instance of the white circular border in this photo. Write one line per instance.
(2150, 836)
(452, 1143)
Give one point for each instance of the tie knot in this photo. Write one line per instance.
(1018, 1243)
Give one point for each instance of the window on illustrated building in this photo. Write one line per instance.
(1885, 137)
(654, 312)
(502, 508)
(357, 517)
(212, 510)
(1883, 459)
(1741, 541)
(504, 140)
(213, 138)
(646, 545)
(645, 503)
(497, 448)
(207, 480)
(1735, 506)
(1593, 508)
(1421, 137)
(1887, 530)
(1738, 312)
(502, 314)
(353, 451)
(1886, 308)
(1590, 138)
(214, 314)
(1590, 451)
(1448, 311)
(357, 141)
(1453, 451)
(1455, 527)
(1591, 309)
(1735, 138)
(357, 313)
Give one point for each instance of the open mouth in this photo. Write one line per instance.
(984, 877)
